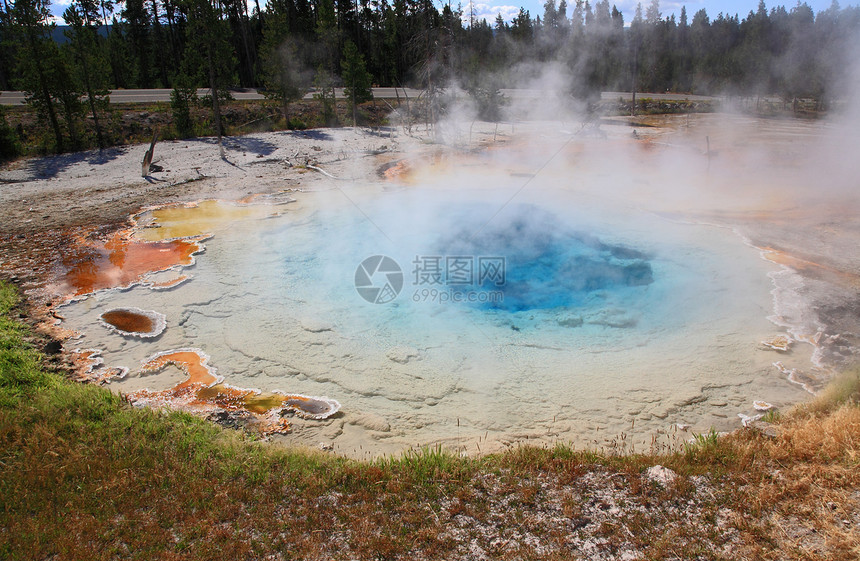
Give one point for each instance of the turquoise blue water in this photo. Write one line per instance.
(558, 265)
(606, 318)
(548, 264)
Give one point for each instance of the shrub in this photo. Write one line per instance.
(9, 146)
(183, 96)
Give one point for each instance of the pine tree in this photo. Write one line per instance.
(158, 44)
(500, 25)
(212, 55)
(82, 18)
(485, 90)
(521, 27)
(38, 59)
(285, 76)
(119, 55)
(327, 33)
(68, 92)
(7, 54)
(183, 96)
(285, 65)
(237, 16)
(356, 79)
(324, 85)
(138, 29)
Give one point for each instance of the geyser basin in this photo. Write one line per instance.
(607, 320)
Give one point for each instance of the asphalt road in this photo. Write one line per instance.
(149, 96)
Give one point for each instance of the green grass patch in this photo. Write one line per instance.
(21, 372)
(772, 416)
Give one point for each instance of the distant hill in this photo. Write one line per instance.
(58, 34)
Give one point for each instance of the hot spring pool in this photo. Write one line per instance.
(474, 323)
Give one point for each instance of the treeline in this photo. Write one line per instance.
(289, 46)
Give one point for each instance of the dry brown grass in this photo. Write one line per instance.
(803, 487)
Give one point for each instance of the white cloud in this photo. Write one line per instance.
(489, 12)
(667, 8)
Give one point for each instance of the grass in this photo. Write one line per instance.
(85, 476)
(843, 390)
(704, 441)
(21, 370)
(772, 416)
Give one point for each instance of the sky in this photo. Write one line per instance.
(489, 9)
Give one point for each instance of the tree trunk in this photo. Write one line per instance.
(104, 17)
(44, 92)
(250, 52)
(354, 108)
(259, 18)
(68, 100)
(52, 115)
(91, 98)
(171, 30)
(216, 104)
(635, 80)
(158, 44)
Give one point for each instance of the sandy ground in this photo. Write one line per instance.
(48, 203)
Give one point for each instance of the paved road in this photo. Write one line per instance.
(149, 96)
